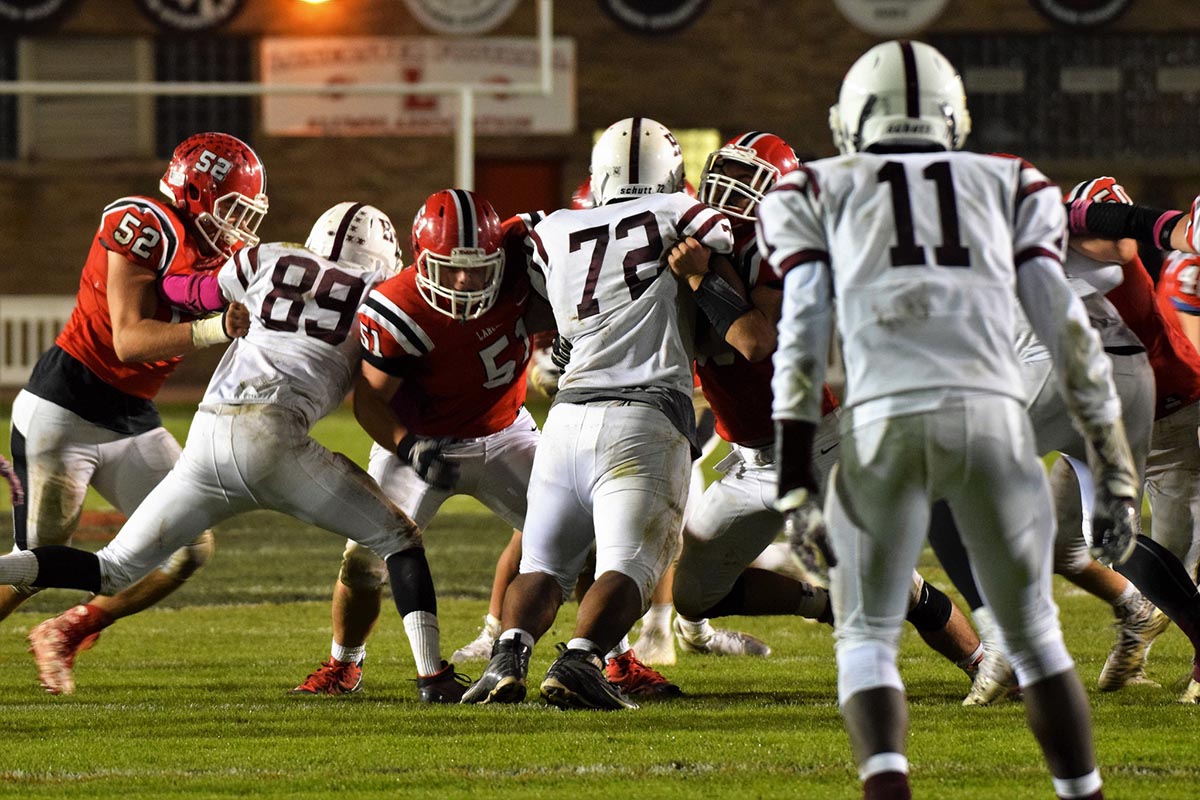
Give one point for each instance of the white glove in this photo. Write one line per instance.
(804, 524)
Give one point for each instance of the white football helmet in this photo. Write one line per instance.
(900, 92)
(356, 235)
(635, 156)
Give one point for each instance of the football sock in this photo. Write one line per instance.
(518, 633)
(1160, 576)
(885, 777)
(1085, 787)
(887, 786)
(347, 655)
(971, 660)
(19, 569)
(66, 568)
(696, 632)
(422, 630)
(579, 643)
(492, 625)
(622, 647)
(659, 616)
(412, 583)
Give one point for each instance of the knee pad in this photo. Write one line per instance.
(932, 610)
(865, 665)
(186, 560)
(361, 569)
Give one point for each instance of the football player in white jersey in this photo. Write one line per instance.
(249, 445)
(613, 463)
(926, 288)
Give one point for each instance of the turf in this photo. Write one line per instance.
(189, 699)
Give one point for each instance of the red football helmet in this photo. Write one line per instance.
(582, 198)
(458, 250)
(219, 183)
(736, 177)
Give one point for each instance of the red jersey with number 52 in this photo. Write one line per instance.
(151, 235)
(461, 379)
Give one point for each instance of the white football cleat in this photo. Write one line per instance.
(1136, 631)
(479, 648)
(721, 642)
(656, 645)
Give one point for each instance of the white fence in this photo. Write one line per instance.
(28, 325)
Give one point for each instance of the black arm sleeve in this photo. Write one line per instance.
(1152, 226)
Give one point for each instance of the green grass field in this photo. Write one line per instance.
(189, 699)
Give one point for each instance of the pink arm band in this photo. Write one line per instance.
(197, 294)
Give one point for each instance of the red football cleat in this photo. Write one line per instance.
(332, 677)
(635, 678)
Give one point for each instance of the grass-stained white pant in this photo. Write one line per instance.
(977, 453)
(615, 473)
(245, 457)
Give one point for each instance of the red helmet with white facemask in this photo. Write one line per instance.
(736, 177)
(218, 182)
(458, 250)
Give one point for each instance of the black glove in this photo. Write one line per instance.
(428, 460)
(560, 351)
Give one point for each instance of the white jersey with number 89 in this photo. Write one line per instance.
(300, 352)
(605, 273)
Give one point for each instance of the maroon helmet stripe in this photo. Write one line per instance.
(912, 88)
(343, 227)
(635, 150)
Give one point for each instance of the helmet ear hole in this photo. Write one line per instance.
(193, 192)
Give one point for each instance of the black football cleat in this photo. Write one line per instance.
(576, 679)
(504, 679)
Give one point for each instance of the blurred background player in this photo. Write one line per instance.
(441, 392)
(87, 415)
(924, 297)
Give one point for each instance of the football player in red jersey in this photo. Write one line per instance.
(1178, 291)
(723, 568)
(441, 391)
(87, 415)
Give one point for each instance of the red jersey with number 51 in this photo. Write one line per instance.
(152, 236)
(460, 379)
